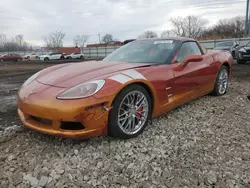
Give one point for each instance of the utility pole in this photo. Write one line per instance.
(189, 25)
(99, 38)
(247, 19)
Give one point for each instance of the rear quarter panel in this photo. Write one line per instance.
(221, 57)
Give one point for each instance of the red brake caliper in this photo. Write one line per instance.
(139, 112)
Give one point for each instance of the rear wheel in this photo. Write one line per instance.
(46, 59)
(131, 112)
(62, 57)
(221, 84)
(81, 57)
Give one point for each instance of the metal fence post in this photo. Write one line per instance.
(97, 52)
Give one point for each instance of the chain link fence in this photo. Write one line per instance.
(101, 52)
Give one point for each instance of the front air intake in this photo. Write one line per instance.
(68, 125)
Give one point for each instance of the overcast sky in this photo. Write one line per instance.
(124, 19)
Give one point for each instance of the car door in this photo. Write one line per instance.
(11, 57)
(74, 55)
(58, 55)
(189, 79)
(54, 56)
(16, 57)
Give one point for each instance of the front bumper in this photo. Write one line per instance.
(50, 114)
(56, 131)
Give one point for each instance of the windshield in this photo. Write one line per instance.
(144, 51)
(229, 43)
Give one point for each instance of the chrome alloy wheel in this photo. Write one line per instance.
(222, 81)
(133, 112)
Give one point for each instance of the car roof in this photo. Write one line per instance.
(171, 38)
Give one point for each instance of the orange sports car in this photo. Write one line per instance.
(120, 94)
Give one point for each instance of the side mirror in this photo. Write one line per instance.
(192, 58)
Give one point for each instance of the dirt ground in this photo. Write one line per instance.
(205, 143)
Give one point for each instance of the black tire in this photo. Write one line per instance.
(241, 61)
(28, 57)
(233, 54)
(215, 91)
(46, 59)
(69, 57)
(81, 57)
(62, 57)
(113, 129)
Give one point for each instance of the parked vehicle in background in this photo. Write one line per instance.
(11, 57)
(52, 56)
(75, 55)
(32, 56)
(227, 45)
(243, 54)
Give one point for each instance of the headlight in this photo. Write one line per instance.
(30, 79)
(82, 90)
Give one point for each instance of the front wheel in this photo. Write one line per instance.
(81, 57)
(62, 57)
(221, 84)
(233, 54)
(131, 112)
(46, 59)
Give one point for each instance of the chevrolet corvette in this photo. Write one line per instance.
(119, 95)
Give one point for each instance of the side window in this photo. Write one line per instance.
(187, 49)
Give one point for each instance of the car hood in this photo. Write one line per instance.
(71, 74)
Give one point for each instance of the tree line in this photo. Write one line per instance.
(195, 27)
(15, 44)
(190, 26)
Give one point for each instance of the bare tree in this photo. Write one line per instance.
(107, 38)
(54, 40)
(19, 40)
(227, 28)
(148, 34)
(190, 26)
(167, 33)
(80, 40)
(3, 40)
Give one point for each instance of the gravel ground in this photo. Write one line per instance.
(205, 143)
